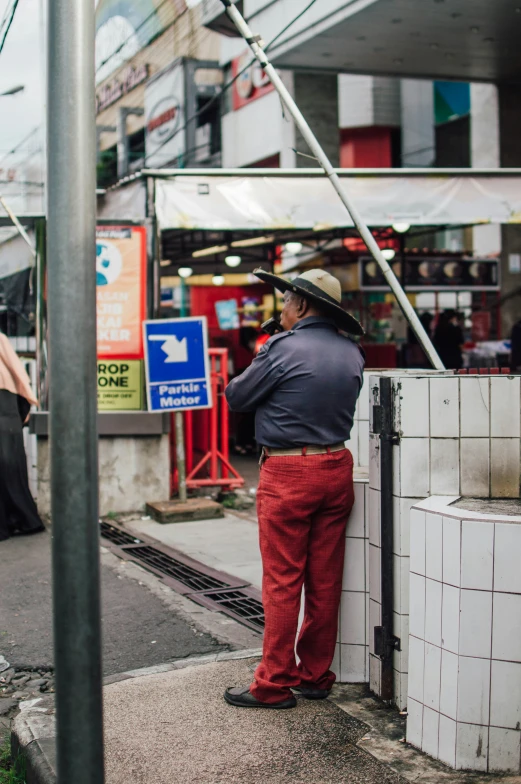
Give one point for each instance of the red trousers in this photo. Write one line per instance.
(303, 504)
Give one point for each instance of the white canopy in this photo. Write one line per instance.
(270, 200)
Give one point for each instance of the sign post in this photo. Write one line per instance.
(177, 374)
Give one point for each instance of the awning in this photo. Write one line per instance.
(15, 255)
(421, 197)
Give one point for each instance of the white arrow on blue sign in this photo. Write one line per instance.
(177, 365)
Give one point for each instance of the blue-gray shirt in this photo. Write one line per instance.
(303, 385)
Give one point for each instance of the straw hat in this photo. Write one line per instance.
(320, 288)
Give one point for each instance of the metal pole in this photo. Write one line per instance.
(180, 455)
(71, 253)
(318, 152)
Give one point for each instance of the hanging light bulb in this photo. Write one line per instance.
(218, 280)
(401, 227)
(185, 272)
(293, 247)
(388, 254)
(232, 261)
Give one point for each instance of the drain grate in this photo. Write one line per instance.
(243, 604)
(166, 565)
(117, 536)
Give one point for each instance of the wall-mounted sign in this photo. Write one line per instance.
(165, 137)
(120, 385)
(120, 290)
(434, 274)
(251, 84)
(122, 85)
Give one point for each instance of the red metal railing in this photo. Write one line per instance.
(211, 429)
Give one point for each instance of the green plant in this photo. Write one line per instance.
(11, 771)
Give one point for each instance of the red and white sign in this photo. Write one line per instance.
(165, 117)
(251, 84)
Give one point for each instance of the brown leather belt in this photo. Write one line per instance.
(303, 450)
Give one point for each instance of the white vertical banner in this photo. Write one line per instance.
(165, 135)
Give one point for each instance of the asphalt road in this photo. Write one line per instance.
(139, 630)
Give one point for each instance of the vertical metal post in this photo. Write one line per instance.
(71, 254)
(180, 455)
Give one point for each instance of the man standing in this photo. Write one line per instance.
(303, 386)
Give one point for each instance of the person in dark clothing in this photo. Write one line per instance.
(515, 356)
(18, 512)
(303, 386)
(416, 357)
(448, 340)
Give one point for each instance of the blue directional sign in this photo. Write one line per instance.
(177, 367)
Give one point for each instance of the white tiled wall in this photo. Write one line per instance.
(464, 683)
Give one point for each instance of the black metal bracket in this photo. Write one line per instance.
(385, 643)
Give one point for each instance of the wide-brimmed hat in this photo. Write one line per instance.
(321, 288)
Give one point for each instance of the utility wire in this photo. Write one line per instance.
(7, 21)
(232, 81)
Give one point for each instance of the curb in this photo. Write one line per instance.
(33, 734)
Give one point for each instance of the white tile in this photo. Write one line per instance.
(367, 587)
(352, 618)
(400, 680)
(477, 549)
(375, 619)
(473, 690)
(367, 622)
(397, 477)
(375, 674)
(352, 444)
(374, 517)
(505, 467)
(431, 728)
(354, 566)
(411, 407)
(504, 751)
(363, 400)
(431, 677)
(505, 407)
(444, 407)
(449, 684)
(414, 723)
(374, 462)
(450, 618)
(474, 407)
(471, 747)
(445, 473)
(416, 668)
(475, 467)
(505, 694)
(401, 584)
(414, 467)
(433, 546)
(506, 634)
(401, 629)
(401, 530)
(417, 541)
(352, 664)
(447, 741)
(433, 592)
(507, 574)
(451, 551)
(417, 605)
(475, 623)
(375, 583)
(356, 522)
(335, 664)
(363, 442)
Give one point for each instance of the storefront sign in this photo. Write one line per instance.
(251, 84)
(481, 323)
(434, 274)
(122, 85)
(120, 385)
(165, 117)
(227, 314)
(121, 290)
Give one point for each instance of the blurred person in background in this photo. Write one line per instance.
(449, 340)
(515, 357)
(18, 512)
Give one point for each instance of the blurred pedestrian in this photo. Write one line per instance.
(416, 357)
(449, 340)
(18, 512)
(515, 356)
(303, 386)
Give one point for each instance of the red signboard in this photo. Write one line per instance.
(481, 322)
(251, 84)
